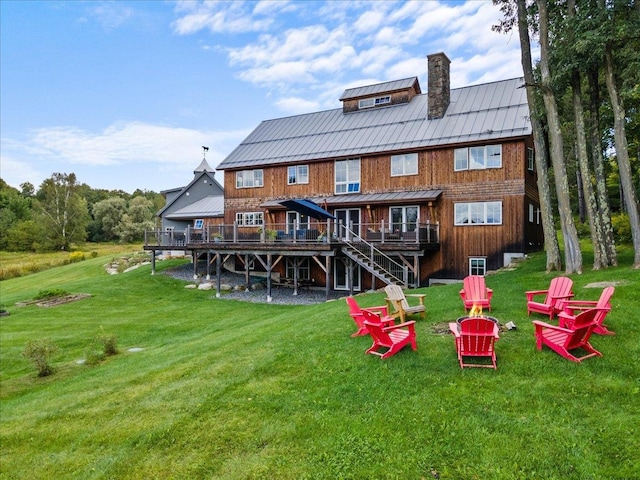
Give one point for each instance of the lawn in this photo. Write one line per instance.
(223, 389)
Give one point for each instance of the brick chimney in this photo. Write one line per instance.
(438, 85)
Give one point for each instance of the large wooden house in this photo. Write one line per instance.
(397, 186)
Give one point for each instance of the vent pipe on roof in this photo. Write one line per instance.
(439, 84)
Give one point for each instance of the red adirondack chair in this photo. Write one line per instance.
(475, 293)
(393, 337)
(559, 291)
(356, 313)
(564, 340)
(567, 317)
(475, 337)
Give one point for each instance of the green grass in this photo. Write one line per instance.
(17, 264)
(230, 390)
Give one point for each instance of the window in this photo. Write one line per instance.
(531, 159)
(249, 179)
(531, 212)
(198, 223)
(348, 176)
(297, 221)
(477, 266)
(304, 273)
(478, 213)
(372, 102)
(403, 219)
(477, 158)
(404, 164)
(249, 219)
(298, 174)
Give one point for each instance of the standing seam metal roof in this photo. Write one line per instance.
(479, 113)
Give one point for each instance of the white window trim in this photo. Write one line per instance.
(348, 182)
(374, 101)
(249, 219)
(406, 159)
(469, 206)
(468, 163)
(296, 179)
(242, 179)
(474, 270)
(531, 159)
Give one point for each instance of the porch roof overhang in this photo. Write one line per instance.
(307, 207)
(390, 198)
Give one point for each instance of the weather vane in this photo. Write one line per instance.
(204, 151)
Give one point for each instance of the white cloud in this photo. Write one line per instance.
(121, 147)
(222, 17)
(295, 105)
(111, 15)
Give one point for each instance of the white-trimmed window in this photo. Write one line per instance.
(406, 164)
(477, 266)
(374, 101)
(249, 179)
(531, 212)
(297, 174)
(198, 223)
(249, 219)
(477, 158)
(478, 213)
(531, 159)
(347, 175)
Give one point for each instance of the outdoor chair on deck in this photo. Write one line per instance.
(559, 291)
(567, 317)
(475, 337)
(397, 299)
(475, 293)
(356, 313)
(394, 337)
(564, 340)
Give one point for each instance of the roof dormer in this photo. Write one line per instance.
(380, 95)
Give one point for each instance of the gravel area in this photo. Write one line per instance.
(279, 295)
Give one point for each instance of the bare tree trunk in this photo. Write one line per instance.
(589, 198)
(573, 254)
(604, 209)
(551, 246)
(622, 154)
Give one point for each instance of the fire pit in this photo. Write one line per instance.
(466, 317)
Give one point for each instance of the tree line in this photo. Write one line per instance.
(63, 212)
(584, 98)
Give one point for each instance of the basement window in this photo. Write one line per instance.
(477, 266)
(373, 102)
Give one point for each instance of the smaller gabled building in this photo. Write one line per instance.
(195, 206)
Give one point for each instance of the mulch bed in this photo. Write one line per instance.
(55, 301)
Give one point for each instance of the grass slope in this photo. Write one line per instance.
(231, 390)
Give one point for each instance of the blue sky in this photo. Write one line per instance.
(125, 93)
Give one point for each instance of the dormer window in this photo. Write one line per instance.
(373, 102)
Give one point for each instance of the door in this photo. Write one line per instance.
(348, 217)
(341, 267)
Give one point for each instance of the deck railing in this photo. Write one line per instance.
(311, 232)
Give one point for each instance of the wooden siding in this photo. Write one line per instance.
(512, 184)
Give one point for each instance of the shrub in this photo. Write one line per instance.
(92, 354)
(39, 352)
(94, 254)
(621, 228)
(76, 257)
(56, 292)
(109, 343)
